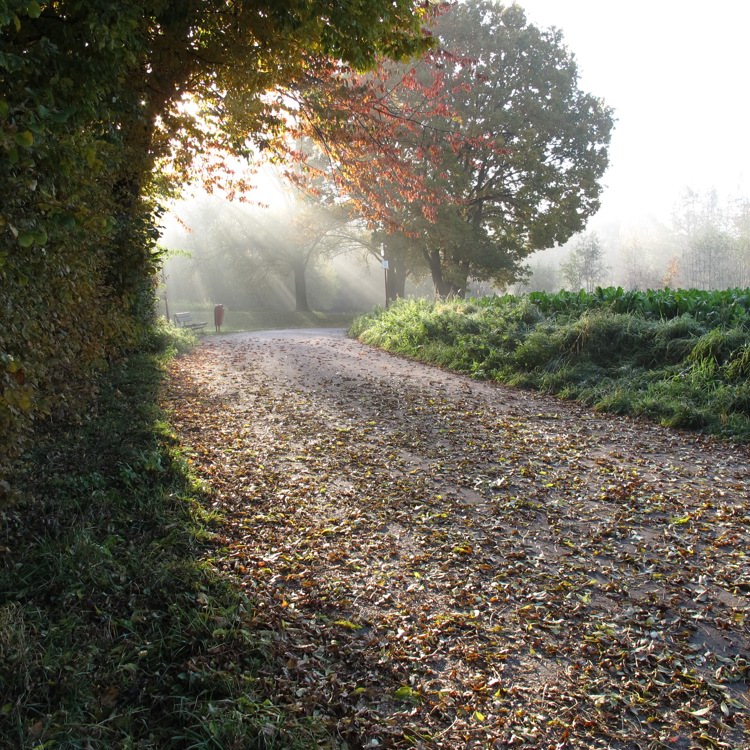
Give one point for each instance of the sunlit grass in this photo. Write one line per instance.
(681, 371)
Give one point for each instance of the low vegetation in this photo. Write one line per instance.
(678, 357)
(116, 630)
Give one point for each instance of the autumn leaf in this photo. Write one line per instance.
(407, 694)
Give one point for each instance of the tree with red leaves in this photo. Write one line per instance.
(482, 152)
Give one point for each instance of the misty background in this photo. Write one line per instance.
(675, 209)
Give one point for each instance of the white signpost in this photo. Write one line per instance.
(385, 272)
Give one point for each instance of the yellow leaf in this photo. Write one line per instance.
(25, 138)
(406, 693)
(347, 624)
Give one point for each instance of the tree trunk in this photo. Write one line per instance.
(461, 279)
(396, 277)
(445, 286)
(399, 282)
(395, 280)
(436, 271)
(300, 288)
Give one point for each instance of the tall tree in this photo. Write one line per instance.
(94, 96)
(494, 150)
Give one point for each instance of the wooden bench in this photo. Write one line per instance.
(185, 320)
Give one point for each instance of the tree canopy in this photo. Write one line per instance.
(490, 142)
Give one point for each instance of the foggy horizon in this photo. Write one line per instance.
(673, 74)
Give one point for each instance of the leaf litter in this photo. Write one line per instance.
(440, 563)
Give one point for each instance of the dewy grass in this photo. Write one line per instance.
(680, 370)
(114, 630)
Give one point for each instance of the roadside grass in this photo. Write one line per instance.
(679, 371)
(116, 631)
(237, 321)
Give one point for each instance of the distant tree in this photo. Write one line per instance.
(584, 267)
(298, 238)
(707, 259)
(740, 261)
(704, 229)
(639, 269)
(245, 253)
(544, 277)
(283, 240)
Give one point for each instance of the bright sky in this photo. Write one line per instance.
(677, 73)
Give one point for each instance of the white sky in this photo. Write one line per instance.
(678, 77)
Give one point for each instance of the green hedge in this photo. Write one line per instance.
(74, 261)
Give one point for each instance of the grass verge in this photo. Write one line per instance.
(681, 371)
(115, 629)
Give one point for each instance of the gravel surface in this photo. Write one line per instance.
(445, 563)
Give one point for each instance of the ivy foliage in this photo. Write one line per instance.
(60, 318)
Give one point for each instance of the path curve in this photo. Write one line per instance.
(439, 562)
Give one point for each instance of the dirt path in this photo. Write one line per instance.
(444, 563)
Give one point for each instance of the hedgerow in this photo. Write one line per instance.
(75, 260)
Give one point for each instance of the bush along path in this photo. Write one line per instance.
(437, 562)
(681, 358)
